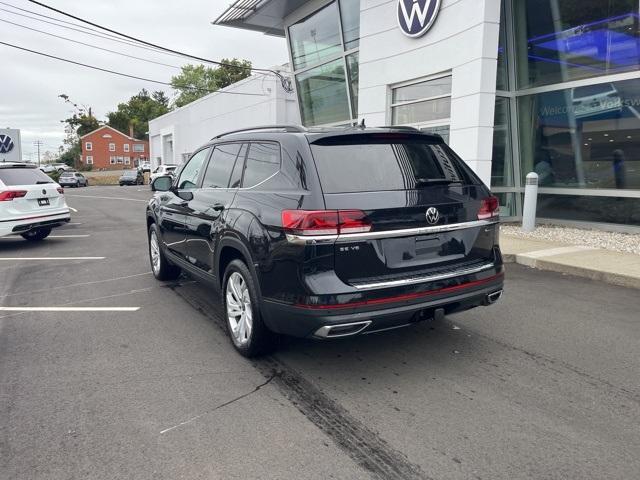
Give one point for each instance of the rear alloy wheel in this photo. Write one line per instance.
(249, 335)
(36, 235)
(160, 266)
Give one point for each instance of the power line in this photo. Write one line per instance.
(88, 44)
(283, 80)
(109, 37)
(125, 74)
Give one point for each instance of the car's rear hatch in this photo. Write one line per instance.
(421, 208)
(29, 194)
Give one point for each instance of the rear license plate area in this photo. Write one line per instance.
(43, 202)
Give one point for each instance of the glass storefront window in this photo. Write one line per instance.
(590, 209)
(323, 94)
(502, 79)
(422, 102)
(444, 131)
(502, 161)
(586, 137)
(353, 67)
(558, 41)
(316, 38)
(423, 90)
(508, 206)
(350, 11)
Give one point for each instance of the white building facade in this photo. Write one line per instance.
(514, 86)
(256, 100)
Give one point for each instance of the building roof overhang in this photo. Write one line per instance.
(265, 16)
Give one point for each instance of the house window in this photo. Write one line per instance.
(120, 160)
(138, 147)
(113, 160)
(88, 146)
(112, 147)
(89, 160)
(126, 147)
(423, 103)
(127, 160)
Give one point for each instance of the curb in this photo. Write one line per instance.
(551, 266)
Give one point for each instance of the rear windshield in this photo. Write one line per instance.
(23, 176)
(369, 165)
(68, 174)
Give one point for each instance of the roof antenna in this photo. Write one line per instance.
(362, 125)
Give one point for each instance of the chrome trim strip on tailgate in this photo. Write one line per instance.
(426, 279)
(408, 232)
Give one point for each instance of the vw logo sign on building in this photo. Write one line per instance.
(10, 145)
(416, 17)
(6, 143)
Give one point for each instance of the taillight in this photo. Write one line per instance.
(11, 194)
(325, 222)
(60, 190)
(489, 208)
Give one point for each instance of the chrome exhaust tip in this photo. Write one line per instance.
(494, 297)
(341, 330)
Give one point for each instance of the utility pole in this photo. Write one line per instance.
(38, 144)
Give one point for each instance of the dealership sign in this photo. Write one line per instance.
(6, 144)
(416, 17)
(10, 150)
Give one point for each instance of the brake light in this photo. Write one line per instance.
(11, 194)
(489, 208)
(325, 222)
(61, 190)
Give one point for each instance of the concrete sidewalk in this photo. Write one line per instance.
(597, 264)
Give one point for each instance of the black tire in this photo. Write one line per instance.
(36, 235)
(164, 270)
(261, 341)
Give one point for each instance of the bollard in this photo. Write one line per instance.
(530, 203)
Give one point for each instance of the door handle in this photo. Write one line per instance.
(218, 207)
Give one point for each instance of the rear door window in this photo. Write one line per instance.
(23, 176)
(263, 161)
(355, 163)
(221, 165)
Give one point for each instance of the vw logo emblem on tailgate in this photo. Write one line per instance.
(433, 215)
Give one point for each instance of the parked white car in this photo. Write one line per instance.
(31, 203)
(48, 168)
(145, 167)
(162, 170)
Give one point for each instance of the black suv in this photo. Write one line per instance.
(328, 233)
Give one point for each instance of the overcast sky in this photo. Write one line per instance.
(30, 84)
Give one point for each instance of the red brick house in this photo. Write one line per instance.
(109, 149)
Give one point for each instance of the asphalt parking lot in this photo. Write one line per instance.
(106, 373)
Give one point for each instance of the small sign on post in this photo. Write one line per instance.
(530, 203)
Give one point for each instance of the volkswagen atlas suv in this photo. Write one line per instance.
(328, 233)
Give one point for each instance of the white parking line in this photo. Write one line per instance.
(74, 223)
(73, 209)
(110, 198)
(68, 236)
(69, 309)
(15, 259)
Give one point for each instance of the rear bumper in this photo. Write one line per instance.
(383, 312)
(22, 225)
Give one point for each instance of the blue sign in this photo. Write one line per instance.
(416, 17)
(6, 144)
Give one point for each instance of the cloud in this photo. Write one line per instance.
(30, 84)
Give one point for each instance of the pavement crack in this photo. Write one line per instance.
(222, 405)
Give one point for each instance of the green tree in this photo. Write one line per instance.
(137, 112)
(196, 81)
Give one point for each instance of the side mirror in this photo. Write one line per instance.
(162, 184)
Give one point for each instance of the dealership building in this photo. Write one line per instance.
(514, 86)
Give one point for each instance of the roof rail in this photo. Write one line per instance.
(286, 128)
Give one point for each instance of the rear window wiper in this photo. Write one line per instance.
(426, 182)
